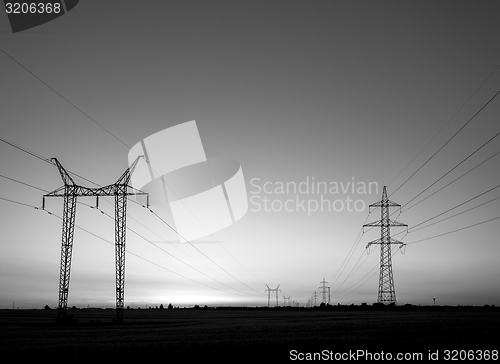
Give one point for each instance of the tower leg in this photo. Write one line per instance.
(120, 231)
(68, 230)
(386, 294)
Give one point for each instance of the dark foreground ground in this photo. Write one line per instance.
(249, 335)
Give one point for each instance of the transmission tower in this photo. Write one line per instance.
(70, 191)
(324, 290)
(315, 299)
(269, 290)
(285, 300)
(386, 292)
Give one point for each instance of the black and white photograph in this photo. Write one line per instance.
(231, 180)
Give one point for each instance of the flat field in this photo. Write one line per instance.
(231, 335)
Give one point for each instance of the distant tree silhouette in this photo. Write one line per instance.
(47, 307)
(170, 307)
(161, 306)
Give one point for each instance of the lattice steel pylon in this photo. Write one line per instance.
(70, 191)
(386, 291)
(269, 290)
(324, 291)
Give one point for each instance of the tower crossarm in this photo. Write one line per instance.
(387, 203)
(396, 223)
(382, 223)
(96, 192)
(391, 241)
(119, 187)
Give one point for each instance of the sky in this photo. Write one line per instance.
(345, 93)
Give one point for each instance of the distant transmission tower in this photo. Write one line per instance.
(269, 290)
(324, 290)
(315, 298)
(70, 191)
(386, 292)
(285, 301)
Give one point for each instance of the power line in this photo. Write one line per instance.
(352, 271)
(453, 231)
(449, 120)
(457, 214)
(449, 140)
(412, 229)
(47, 160)
(470, 170)
(64, 98)
(19, 203)
(463, 203)
(26, 150)
(23, 183)
(456, 166)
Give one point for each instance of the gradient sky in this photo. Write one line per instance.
(338, 91)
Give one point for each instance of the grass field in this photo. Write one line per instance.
(236, 335)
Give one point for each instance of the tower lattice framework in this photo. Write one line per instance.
(386, 291)
(269, 290)
(70, 192)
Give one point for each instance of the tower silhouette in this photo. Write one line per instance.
(386, 291)
(70, 191)
(324, 291)
(269, 290)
